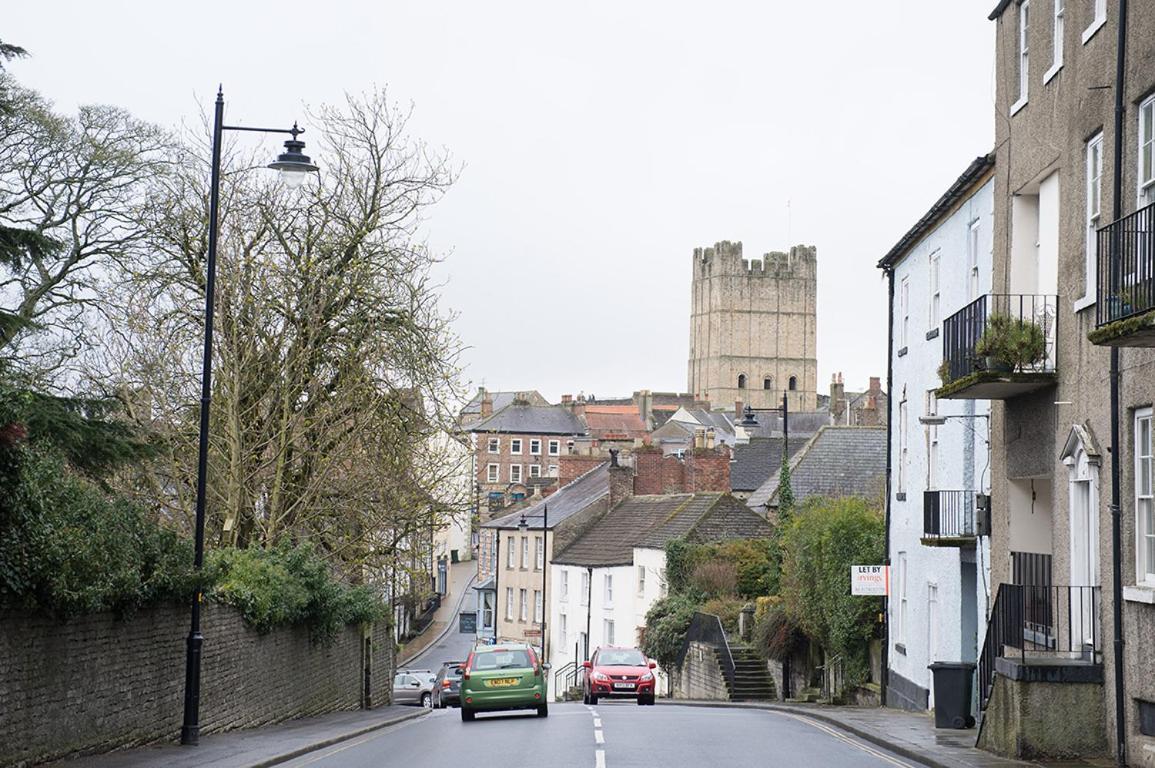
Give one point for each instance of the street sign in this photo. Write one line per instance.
(467, 622)
(870, 579)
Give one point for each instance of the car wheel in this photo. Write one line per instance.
(427, 701)
(593, 699)
(650, 701)
(466, 715)
(543, 710)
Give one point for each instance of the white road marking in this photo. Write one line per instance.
(600, 759)
(597, 722)
(599, 737)
(846, 739)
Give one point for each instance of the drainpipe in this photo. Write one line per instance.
(1116, 454)
(589, 606)
(889, 439)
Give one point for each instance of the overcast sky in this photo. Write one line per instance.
(601, 143)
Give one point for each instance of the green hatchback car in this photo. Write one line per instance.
(503, 677)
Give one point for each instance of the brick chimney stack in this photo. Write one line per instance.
(486, 404)
(621, 480)
(837, 398)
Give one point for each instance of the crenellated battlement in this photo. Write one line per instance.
(725, 258)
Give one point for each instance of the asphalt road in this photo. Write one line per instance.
(455, 646)
(610, 735)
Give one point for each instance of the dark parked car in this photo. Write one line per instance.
(447, 685)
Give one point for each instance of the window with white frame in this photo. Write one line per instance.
(931, 443)
(585, 595)
(662, 588)
(563, 590)
(535, 447)
(608, 581)
(487, 610)
(1056, 40)
(1147, 151)
(973, 259)
(1099, 18)
(904, 303)
(535, 470)
(934, 290)
(1094, 167)
(900, 628)
(493, 473)
(562, 627)
(1144, 501)
(608, 631)
(515, 446)
(515, 473)
(523, 605)
(509, 603)
(1024, 55)
(510, 554)
(554, 447)
(539, 553)
(537, 606)
(494, 445)
(551, 471)
(641, 580)
(524, 553)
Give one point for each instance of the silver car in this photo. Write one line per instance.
(414, 686)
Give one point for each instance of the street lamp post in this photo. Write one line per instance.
(293, 165)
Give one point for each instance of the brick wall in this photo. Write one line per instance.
(96, 683)
(698, 470)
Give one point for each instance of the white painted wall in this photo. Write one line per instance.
(933, 573)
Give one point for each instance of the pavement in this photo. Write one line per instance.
(444, 626)
(256, 747)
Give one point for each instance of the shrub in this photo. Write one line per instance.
(776, 635)
(726, 609)
(823, 540)
(715, 578)
(666, 624)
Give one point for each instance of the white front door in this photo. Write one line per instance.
(1084, 562)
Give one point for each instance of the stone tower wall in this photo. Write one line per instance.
(755, 317)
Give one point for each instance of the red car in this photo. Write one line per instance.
(618, 673)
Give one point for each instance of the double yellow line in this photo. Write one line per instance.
(830, 731)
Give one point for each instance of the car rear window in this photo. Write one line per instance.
(514, 658)
(622, 658)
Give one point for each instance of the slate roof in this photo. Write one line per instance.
(754, 462)
(532, 420)
(621, 421)
(837, 461)
(573, 497)
(802, 423)
(500, 400)
(651, 521)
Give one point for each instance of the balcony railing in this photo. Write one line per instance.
(1126, 262)
(1057, 622)
(1004, 336)
(948, 515)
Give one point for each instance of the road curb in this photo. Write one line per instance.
(448, 626)
(294, 754)
(873, 738)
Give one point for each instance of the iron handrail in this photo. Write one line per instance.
(1125, 284)
(707, 628)
(948, 514)
(962, 331)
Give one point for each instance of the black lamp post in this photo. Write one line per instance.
(293, 165)
(523, 526)
(749, 420)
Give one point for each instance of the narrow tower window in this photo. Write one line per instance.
(741, 381)
(793, 383)
(767, 383)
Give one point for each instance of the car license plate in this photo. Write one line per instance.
(626, 686)
(502, 682)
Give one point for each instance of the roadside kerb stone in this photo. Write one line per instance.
(904, 750)
(294, 754)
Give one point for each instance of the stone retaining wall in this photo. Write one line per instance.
(96, 683)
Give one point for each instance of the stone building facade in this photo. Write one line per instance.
(753, 327)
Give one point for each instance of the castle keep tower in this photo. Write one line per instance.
(753, 327)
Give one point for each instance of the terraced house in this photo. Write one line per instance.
(1060, 345)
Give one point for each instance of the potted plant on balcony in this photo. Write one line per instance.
(1010, 344)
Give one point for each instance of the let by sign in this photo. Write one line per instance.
(870, 579)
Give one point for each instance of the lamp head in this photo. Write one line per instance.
(748, 419)
(293, 163)
(932, 421)
(522, 525)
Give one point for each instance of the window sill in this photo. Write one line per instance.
(1050, 73)
(1083, 303)
(1139, 594)
(1018, 105)
(901, 352)
(932, 334)
(1090, 31)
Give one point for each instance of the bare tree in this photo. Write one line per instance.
(335, 367)
(70, 192)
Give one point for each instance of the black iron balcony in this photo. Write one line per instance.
(1125, 291)
(999, 346)
(949, 518)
